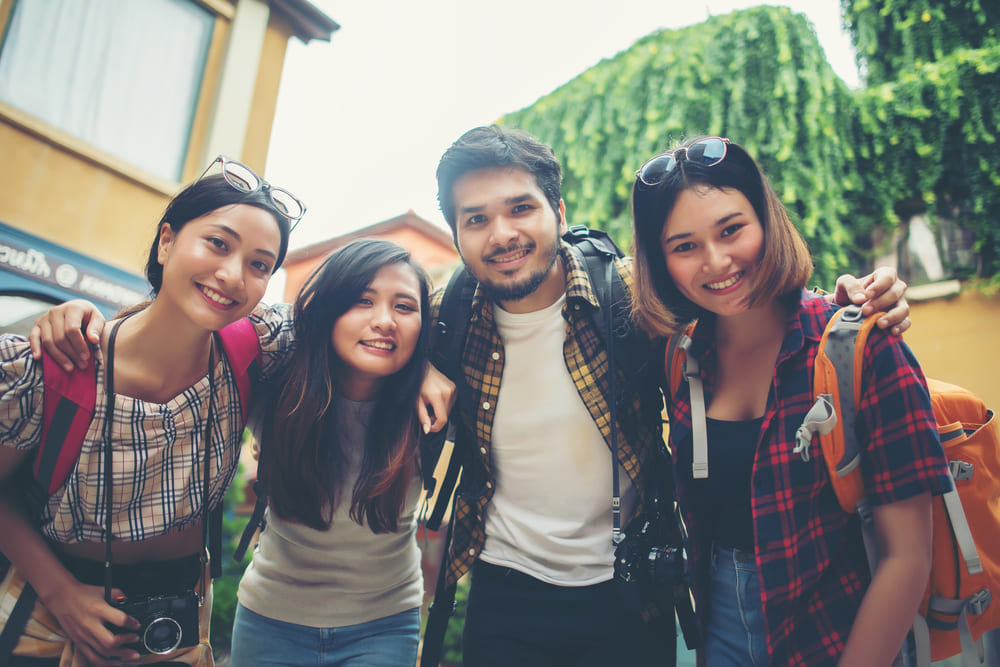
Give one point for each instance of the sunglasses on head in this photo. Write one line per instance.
(707, 152)
(242, 178)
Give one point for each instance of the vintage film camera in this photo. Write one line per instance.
(166, 622)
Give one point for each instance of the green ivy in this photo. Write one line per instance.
(927, 128)
(757, 76)
(895, 36)
(845, 163)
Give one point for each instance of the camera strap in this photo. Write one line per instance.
(109, 394)
(616, 500)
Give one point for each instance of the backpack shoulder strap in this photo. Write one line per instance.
(453, 323)
(678, 365)
(673, 358)
(68, 407)
(242, 347)
(837, 373)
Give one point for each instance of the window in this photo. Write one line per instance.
(122, 75)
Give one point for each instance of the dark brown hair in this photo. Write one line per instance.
(302, 473)
(493, 146)
(785, 263)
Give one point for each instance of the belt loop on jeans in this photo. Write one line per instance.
(737, 555)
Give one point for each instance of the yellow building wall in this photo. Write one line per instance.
(955, 340)
(61, 196)
(58, 187)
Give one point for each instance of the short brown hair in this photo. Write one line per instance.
(786, 264)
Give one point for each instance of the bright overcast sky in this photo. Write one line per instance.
(362, 120)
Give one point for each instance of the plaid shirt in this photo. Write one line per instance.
(156, 448)
(812, 567)
(639, 428)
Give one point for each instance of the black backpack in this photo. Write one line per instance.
(628, 346)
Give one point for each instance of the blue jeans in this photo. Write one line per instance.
(384, 642)
(735, 633)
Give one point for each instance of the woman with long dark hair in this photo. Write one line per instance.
(335, 578)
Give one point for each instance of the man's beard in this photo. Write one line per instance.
(524, 288)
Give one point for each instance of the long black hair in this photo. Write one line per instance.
(304, 480)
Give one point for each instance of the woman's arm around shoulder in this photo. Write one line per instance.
(21, 394)
(275, 326)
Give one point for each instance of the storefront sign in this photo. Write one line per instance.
(36, 264)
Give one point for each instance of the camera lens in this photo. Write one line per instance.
(162, 635)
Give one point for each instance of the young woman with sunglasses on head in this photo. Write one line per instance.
(169, 432)
(336, 578)
(779, 569)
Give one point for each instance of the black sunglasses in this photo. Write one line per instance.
(243, 178)
(707, 152)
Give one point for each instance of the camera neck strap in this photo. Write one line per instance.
(109, 393)
(616, 500)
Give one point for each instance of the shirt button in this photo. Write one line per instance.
(576, 307)
(486, 405)
(482, 450)
(496, 356)
(489, 485)
(472, 552)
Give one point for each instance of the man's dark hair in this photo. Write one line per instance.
(494, 146)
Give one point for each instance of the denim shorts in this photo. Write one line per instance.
(735, 633)
(384, 642)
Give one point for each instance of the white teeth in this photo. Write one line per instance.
(379, 345)
(725, 283)
(510, 258)
(216, 297)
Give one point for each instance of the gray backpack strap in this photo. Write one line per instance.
(699, 428)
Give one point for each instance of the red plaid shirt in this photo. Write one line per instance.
(810, 556)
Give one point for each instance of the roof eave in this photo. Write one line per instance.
(308, 21)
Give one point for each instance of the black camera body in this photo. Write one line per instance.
(646, 569)
(166, 622)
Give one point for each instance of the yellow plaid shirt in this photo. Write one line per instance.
(639, 428)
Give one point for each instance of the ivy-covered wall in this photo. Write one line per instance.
(928, 123)
(894, 36)
(843, 161)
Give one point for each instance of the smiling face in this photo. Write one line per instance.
(377, 336)
(712, 241)
(508, 236)
(216, 267)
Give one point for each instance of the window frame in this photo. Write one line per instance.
(224, 12)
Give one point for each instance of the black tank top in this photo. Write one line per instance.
(723, 499)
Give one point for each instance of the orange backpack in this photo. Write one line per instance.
(965, 573)
(959, 604)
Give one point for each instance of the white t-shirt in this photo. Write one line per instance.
(550, 516)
